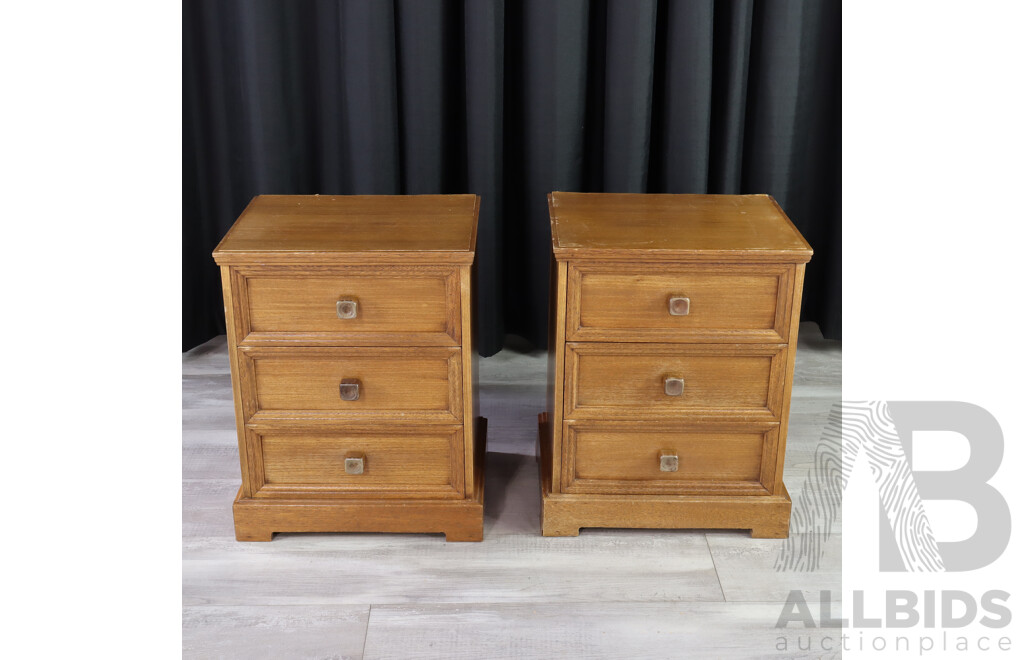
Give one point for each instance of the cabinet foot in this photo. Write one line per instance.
(771, 531)
(257, 519)
(464, 535)
(562, 531)
(252, 534)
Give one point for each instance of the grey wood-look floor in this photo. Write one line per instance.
(605, 594)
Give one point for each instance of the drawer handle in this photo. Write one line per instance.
(355, 464)
(669, 460)
(674, 386)
(348, 309)
(349, 389)
(678, 306)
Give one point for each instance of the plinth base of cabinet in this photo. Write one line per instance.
(257, 519)
(766, 516)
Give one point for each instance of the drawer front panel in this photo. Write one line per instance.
(614, 458)
(421, 462)
(678, 303)
(351, 306)
(643, 381)
(411, 383)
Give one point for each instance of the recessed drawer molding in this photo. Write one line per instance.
(676, 302)
(646, 381)
(610, 458)
(349, 330)
(673, 331)
(415, 463)
(344, 383)
(359, 306)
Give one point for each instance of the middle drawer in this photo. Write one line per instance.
(642, 381)
(415, 384)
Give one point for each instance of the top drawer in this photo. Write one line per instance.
(348, 306)
(678, 303)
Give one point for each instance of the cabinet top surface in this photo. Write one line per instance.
(606, 225)
(388, 227)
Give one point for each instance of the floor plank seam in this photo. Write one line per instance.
(715, 566)
(286, 594)
(497, 603)
(366, 630)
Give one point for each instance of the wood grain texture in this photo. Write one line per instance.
(617, 458)
(563, 514)
(787, 382)
(607, 380)
(341, 569)
(264, 631)
(679, 316)
(258, 519)
(231, 320)
(506, 567)
(408, 383)
(311, 229)
(397, 305)
(351, 342)
(409, 463)
(556, 368)
(465, 379)
(606, 593)
(629, 302)
(298, 508)
(673, 227)
(746, 567)
(594, 631)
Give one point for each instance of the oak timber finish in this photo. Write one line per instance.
(628, 380)
(396, 305)
(726, 303)
(423, 461)
(406, 383)
(608, 457)
(353, 229)
(673, 341)
(681, 228)
(350, 334)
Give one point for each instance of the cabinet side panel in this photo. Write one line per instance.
(787, 386)
(234, 320)
(469, 408)
(556, 369)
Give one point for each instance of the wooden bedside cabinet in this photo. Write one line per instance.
(673, 333)
(350, 334)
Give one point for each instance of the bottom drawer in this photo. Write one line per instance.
(371, 464)
(633, 458)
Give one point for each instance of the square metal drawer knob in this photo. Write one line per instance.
(349, 389)
(669, 461)
(354, 464)
(348, 309)
(673, 386)
(678, 306)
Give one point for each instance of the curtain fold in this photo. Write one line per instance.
(509, 100)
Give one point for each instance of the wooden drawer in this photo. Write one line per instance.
(414, 306)
(395, 383)
(725, 303)
(629, 381)
(396, 462)
(617, 458)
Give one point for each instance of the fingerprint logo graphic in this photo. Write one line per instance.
(816, 511)
(855, 429)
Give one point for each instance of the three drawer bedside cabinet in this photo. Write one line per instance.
(673, 333)
(349, 324)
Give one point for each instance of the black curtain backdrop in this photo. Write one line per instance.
(509, 100)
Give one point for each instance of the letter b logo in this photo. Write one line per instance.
(967, 484)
